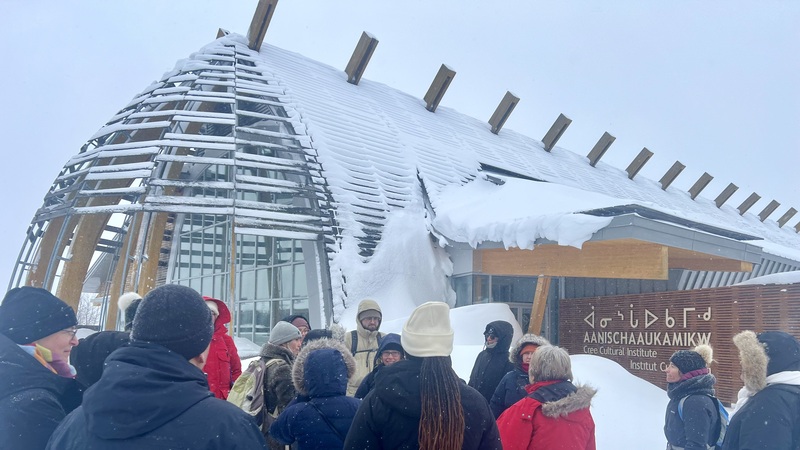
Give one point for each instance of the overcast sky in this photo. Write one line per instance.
(712, 84)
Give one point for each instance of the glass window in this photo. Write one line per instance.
(513, 289)
(262, 322)
(247, 285)
(300, 282)
(480, 289)
(244, 323)
(463, 287)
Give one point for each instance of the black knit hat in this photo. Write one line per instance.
(688, 360)
(783, 351)
(28, 314)
(175, 317)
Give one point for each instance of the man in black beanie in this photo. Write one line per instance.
(37, 385)
(153, 393)
(767, 414)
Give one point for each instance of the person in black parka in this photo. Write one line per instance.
(511, 388)
(420, 402)
(153, 393)
(89, 357)
(37, 386)
(767, 415)
(390, 344)
(689, 377)
(321, 415)
(493, 362)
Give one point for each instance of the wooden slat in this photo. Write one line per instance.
(687, 259)
(607, 259)
(539, 304)
(722, 312)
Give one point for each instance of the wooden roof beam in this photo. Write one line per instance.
(360, 58)
(438, 87)
(786, 217)
(671, 175)
(554, 133)
(700, 184)
(725, 195)
(260, 23)
(748, 203)
(771, 207)
(600, 148)
(636, 165)
(503, 111)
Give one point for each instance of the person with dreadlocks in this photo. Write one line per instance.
(420, 402)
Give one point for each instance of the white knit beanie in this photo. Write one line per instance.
(427, 332)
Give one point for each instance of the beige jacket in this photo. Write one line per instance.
(366, 349)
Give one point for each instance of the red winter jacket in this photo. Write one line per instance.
(555, 414)
(223, 366)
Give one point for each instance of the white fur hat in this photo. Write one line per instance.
(427, 332)
(126, 299)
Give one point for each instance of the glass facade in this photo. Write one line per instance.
(517, 292)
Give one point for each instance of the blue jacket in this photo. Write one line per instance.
(150, 397)
(700, 421)
(33, 400)
(320, 375)
(510, 390)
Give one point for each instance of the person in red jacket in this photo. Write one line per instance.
(555, 413)
(223, 366)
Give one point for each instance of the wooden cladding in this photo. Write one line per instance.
(607, 259)
(640, 332)
(623, 258)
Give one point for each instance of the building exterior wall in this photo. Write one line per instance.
(640, 332)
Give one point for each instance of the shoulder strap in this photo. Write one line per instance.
(680, 406)
(325, 418)
(353, 342)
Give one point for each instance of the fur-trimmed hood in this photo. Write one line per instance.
(754, 360)
(534, 339)
(580, 399)
(322, 368)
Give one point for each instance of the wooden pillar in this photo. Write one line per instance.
(87, 234)
(119, 283)
(539, 304)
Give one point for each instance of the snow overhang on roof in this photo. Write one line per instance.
(510, 212)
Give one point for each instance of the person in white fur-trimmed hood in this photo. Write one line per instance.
(767, 415)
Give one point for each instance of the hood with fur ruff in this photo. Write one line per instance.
(580, 399)
(335, 364)
(754, 360)
(534, 339)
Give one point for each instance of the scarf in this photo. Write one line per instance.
(789, 377)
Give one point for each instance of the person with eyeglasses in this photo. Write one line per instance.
(364, 341)
(390, 351)
(38, 388)
(492, 363)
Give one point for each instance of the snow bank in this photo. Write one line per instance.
(775, 278)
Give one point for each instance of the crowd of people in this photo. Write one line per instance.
(163, 383)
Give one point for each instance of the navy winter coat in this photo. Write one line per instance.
(700, 423)
(33, 400)
(770, 420)
(320, 374)
(150, 397)
(510, 390)
(389, 415)
(390, 340)
(493, 363)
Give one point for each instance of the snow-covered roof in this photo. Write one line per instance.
(373, 141)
